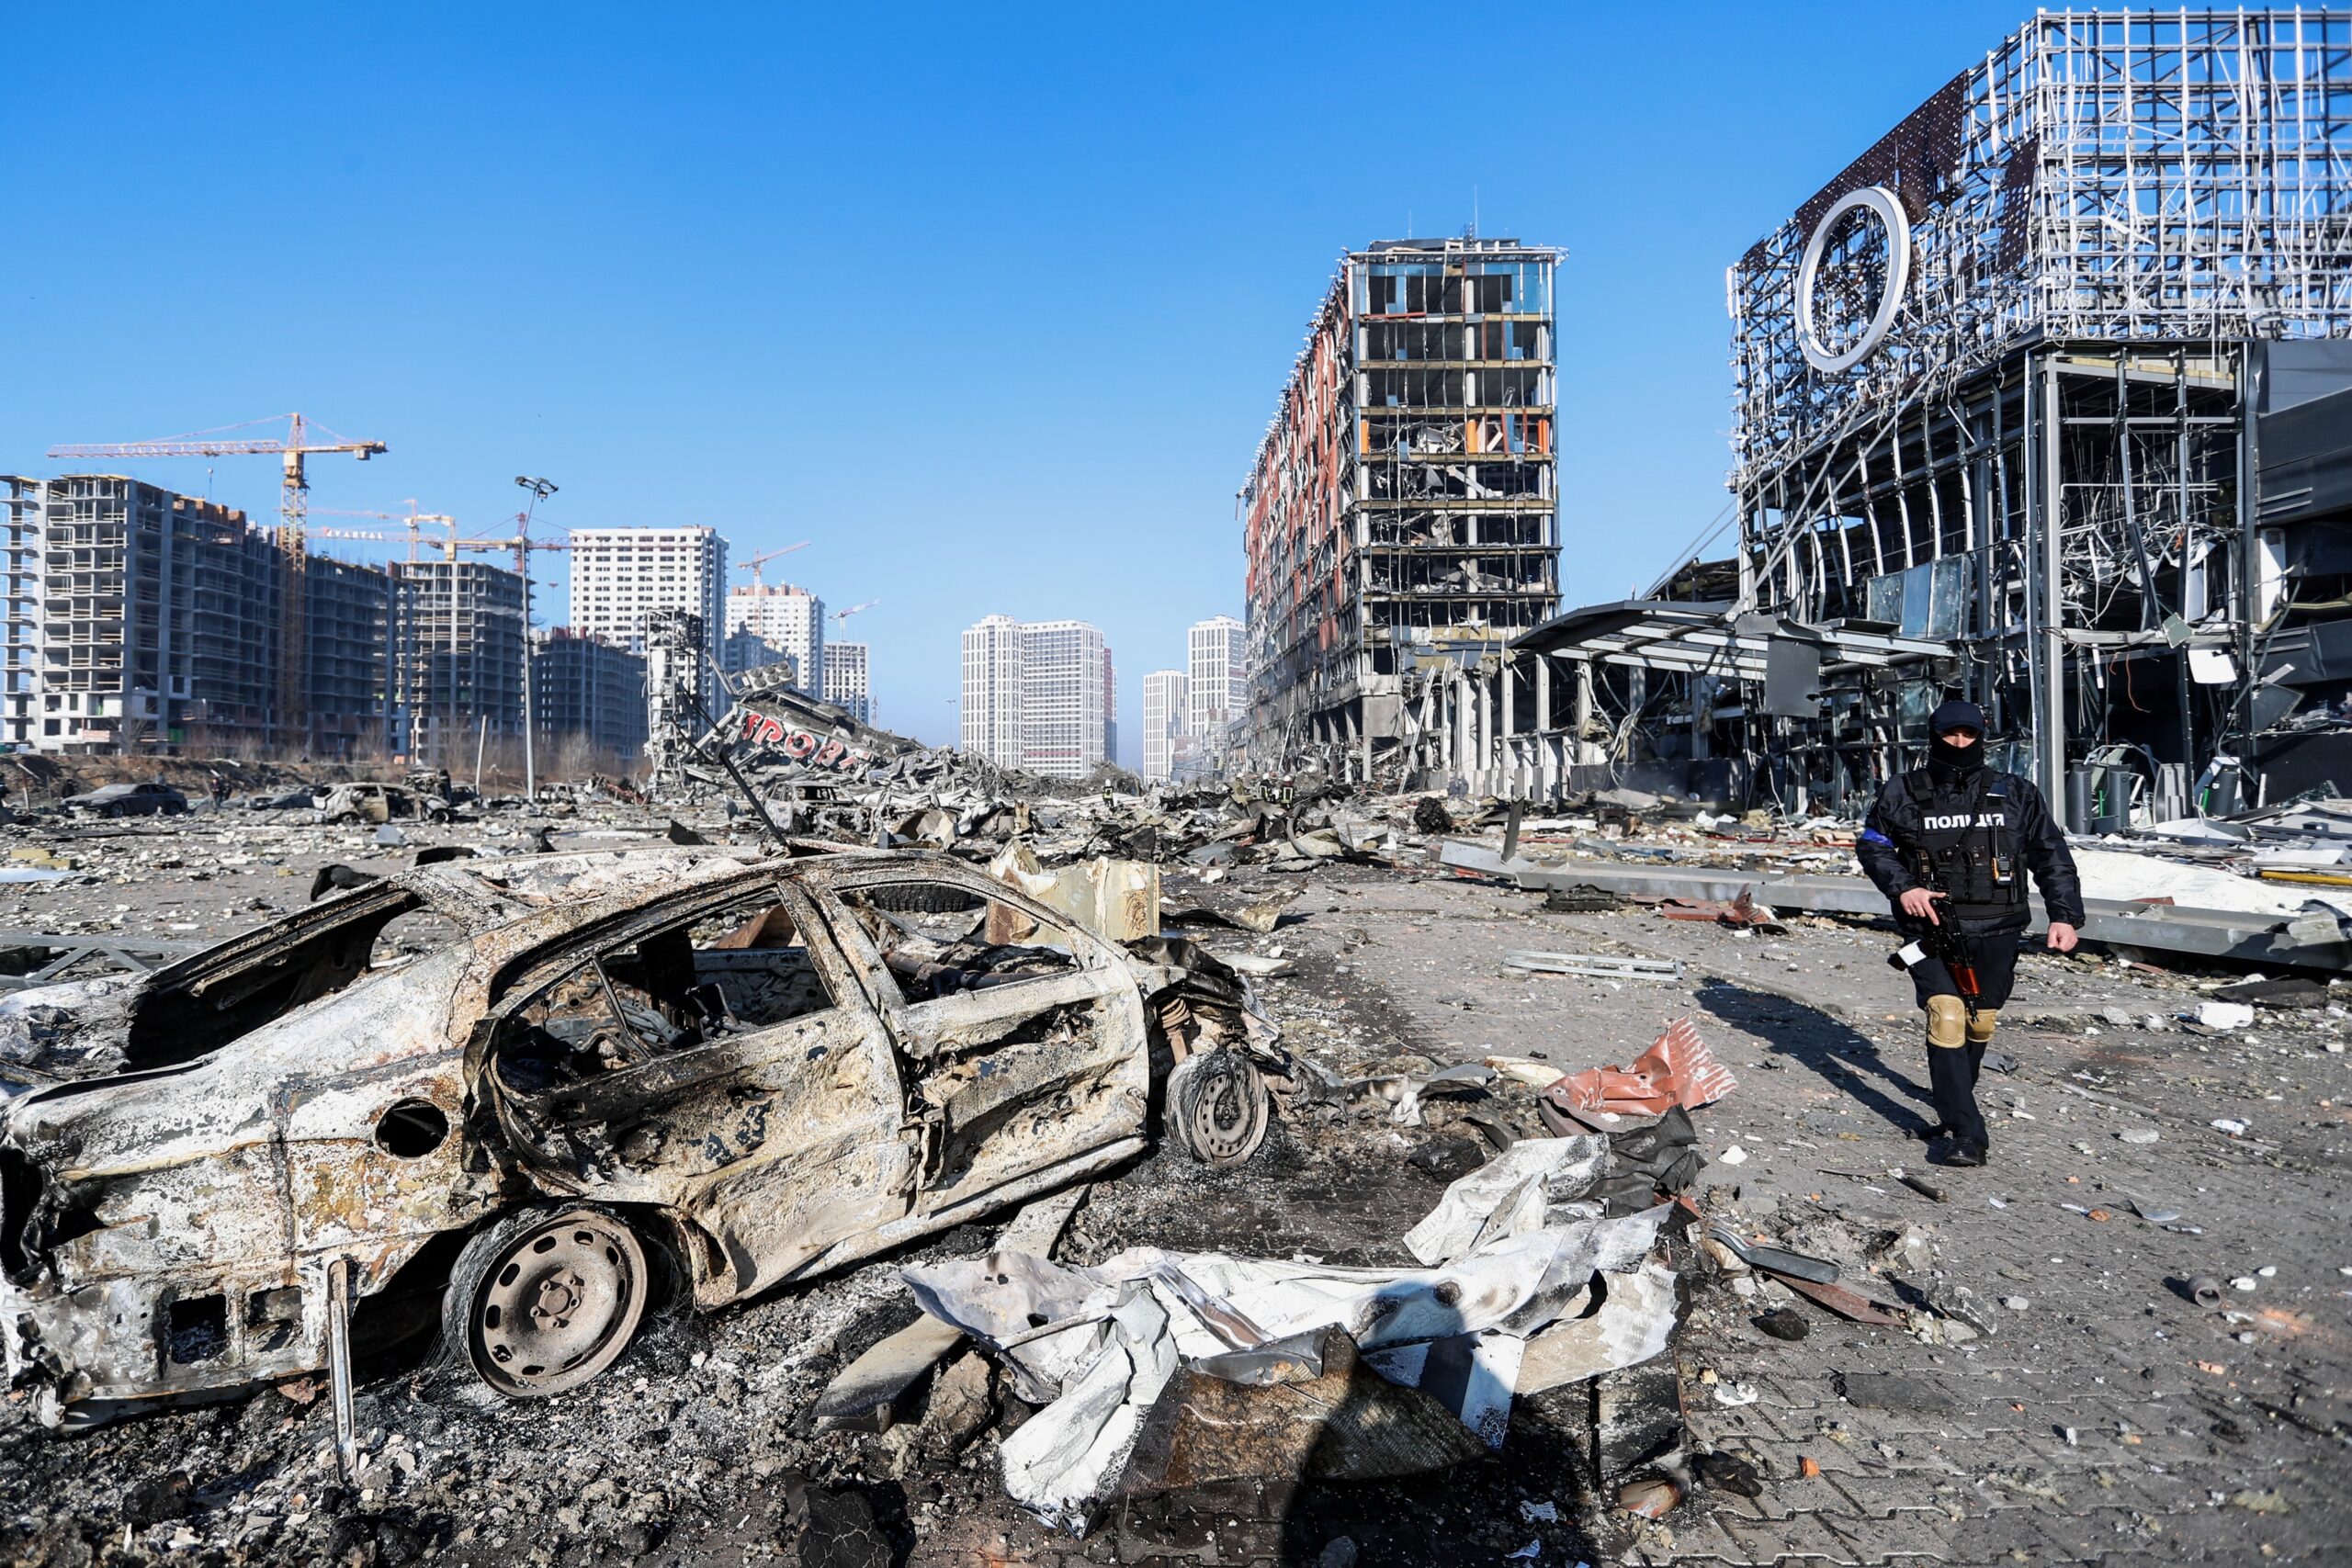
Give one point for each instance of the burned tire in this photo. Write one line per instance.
(541, 1302)
(1217, 1107)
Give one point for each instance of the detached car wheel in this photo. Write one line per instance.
(542, 1303)
(1217, 1107)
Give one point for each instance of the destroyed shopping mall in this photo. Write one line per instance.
(2065, 431)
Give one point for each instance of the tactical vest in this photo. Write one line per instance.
(1968, 850)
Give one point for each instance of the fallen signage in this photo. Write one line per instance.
(806, 746)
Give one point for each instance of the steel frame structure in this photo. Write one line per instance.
(2011, 385)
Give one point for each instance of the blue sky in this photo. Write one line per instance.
(991, 302)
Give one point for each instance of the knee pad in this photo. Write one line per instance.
(1980, 1028)
(1947, 1022)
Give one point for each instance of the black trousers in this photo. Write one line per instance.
(1951, 1074)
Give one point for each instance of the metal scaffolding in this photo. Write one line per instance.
(2123, 176)
(1996, 383)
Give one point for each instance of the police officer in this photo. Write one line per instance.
(1948, 845)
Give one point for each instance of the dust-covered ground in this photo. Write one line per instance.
(2096, 1415)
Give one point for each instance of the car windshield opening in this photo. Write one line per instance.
(937, 939)
(202, 1003)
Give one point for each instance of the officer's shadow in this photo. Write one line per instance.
(1801, 1033)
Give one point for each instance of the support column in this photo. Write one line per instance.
(1465, 757)
(2050, 696)
(1545, 776)
(1583, 713)
(1507, 700)
(1485, 721)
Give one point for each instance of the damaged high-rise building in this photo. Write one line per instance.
(1401, 510)
(2045, 400)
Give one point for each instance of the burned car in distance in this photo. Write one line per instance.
(524, 1098)
(151, 798)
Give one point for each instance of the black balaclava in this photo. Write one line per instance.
(1959, 761)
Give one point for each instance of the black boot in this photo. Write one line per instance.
(1952, 1080)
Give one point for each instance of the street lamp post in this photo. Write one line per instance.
(539, 490)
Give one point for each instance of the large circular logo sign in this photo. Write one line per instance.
(1852, 280)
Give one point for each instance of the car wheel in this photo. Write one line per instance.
(541, 1302)
(1217, 1107)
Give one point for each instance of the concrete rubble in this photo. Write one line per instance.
(1358, 1203)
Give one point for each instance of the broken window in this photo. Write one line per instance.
(730, 971)
(936, 938)
(203, 1002)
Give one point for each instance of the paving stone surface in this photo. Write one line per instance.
(2110, 1420)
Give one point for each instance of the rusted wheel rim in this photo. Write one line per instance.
(559, 1307)
(1222, 1102)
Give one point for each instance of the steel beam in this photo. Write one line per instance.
(2230, 934)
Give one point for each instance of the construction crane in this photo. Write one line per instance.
(854, 609)
(304, 438)
(753, 565)
(416, 521)
(520, 543)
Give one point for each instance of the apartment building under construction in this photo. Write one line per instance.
(1401, 510)
(585, 688)
(137, 618)
(458, 658)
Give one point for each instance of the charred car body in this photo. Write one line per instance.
(523, 1096)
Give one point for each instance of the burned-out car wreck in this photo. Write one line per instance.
(520, 1101)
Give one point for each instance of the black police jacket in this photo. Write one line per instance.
(1973, 837)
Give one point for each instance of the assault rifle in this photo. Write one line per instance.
(1943, 941)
